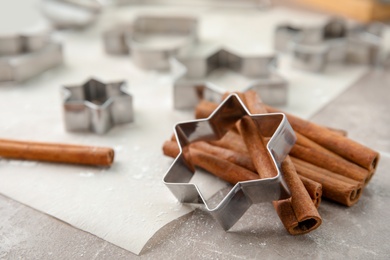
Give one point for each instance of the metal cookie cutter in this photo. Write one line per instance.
(313, 49)
(189, 88)
(365, 45)
(152, 40)
(288, 32)
(114, 39)
(71, 13)
(13, 44)
(243, 194)
(285, 33)
(17, 68)
(96, 106)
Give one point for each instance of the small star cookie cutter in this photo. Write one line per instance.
(96, 106)
(188, 87)
(243, 194)
(152, 40)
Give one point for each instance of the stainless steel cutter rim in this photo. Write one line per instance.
(223, 206)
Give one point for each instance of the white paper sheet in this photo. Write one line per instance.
(127, 203)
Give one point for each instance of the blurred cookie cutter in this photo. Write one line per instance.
(71, 13)
(312, 49)
(13, 44)
(189, 87)
(365, 45)
(245, 193)
(285, 33)
(114, 39)
(17, 68)
(96, 106)
(134, 37)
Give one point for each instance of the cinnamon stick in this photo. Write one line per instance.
(298, 214)
(171, 149)
(314, 189)
(55, 152)
(233, 141)
(257, 148)
(241, 159)
(306, 142)
(345, 147)
(204, 109)
(334, 186)
(253, 102)
(223, 169)
(334, 164)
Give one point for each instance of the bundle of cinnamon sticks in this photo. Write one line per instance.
(323, 163)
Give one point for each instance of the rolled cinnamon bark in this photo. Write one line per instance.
(233, 141)
(341, 145)
(54, 152)
(223, 169)
(306, 142)
(257, 148)
(334, 186)
(204, 109)
(313, 188)
(241, 159)
(298, 214)
(171, 149)
(334, 164)
(254, 103)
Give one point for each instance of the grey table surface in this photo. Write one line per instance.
(358, 232)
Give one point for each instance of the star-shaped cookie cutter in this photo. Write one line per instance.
(134, 38)
(245, 193)
(188, 88)
(96, 106)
